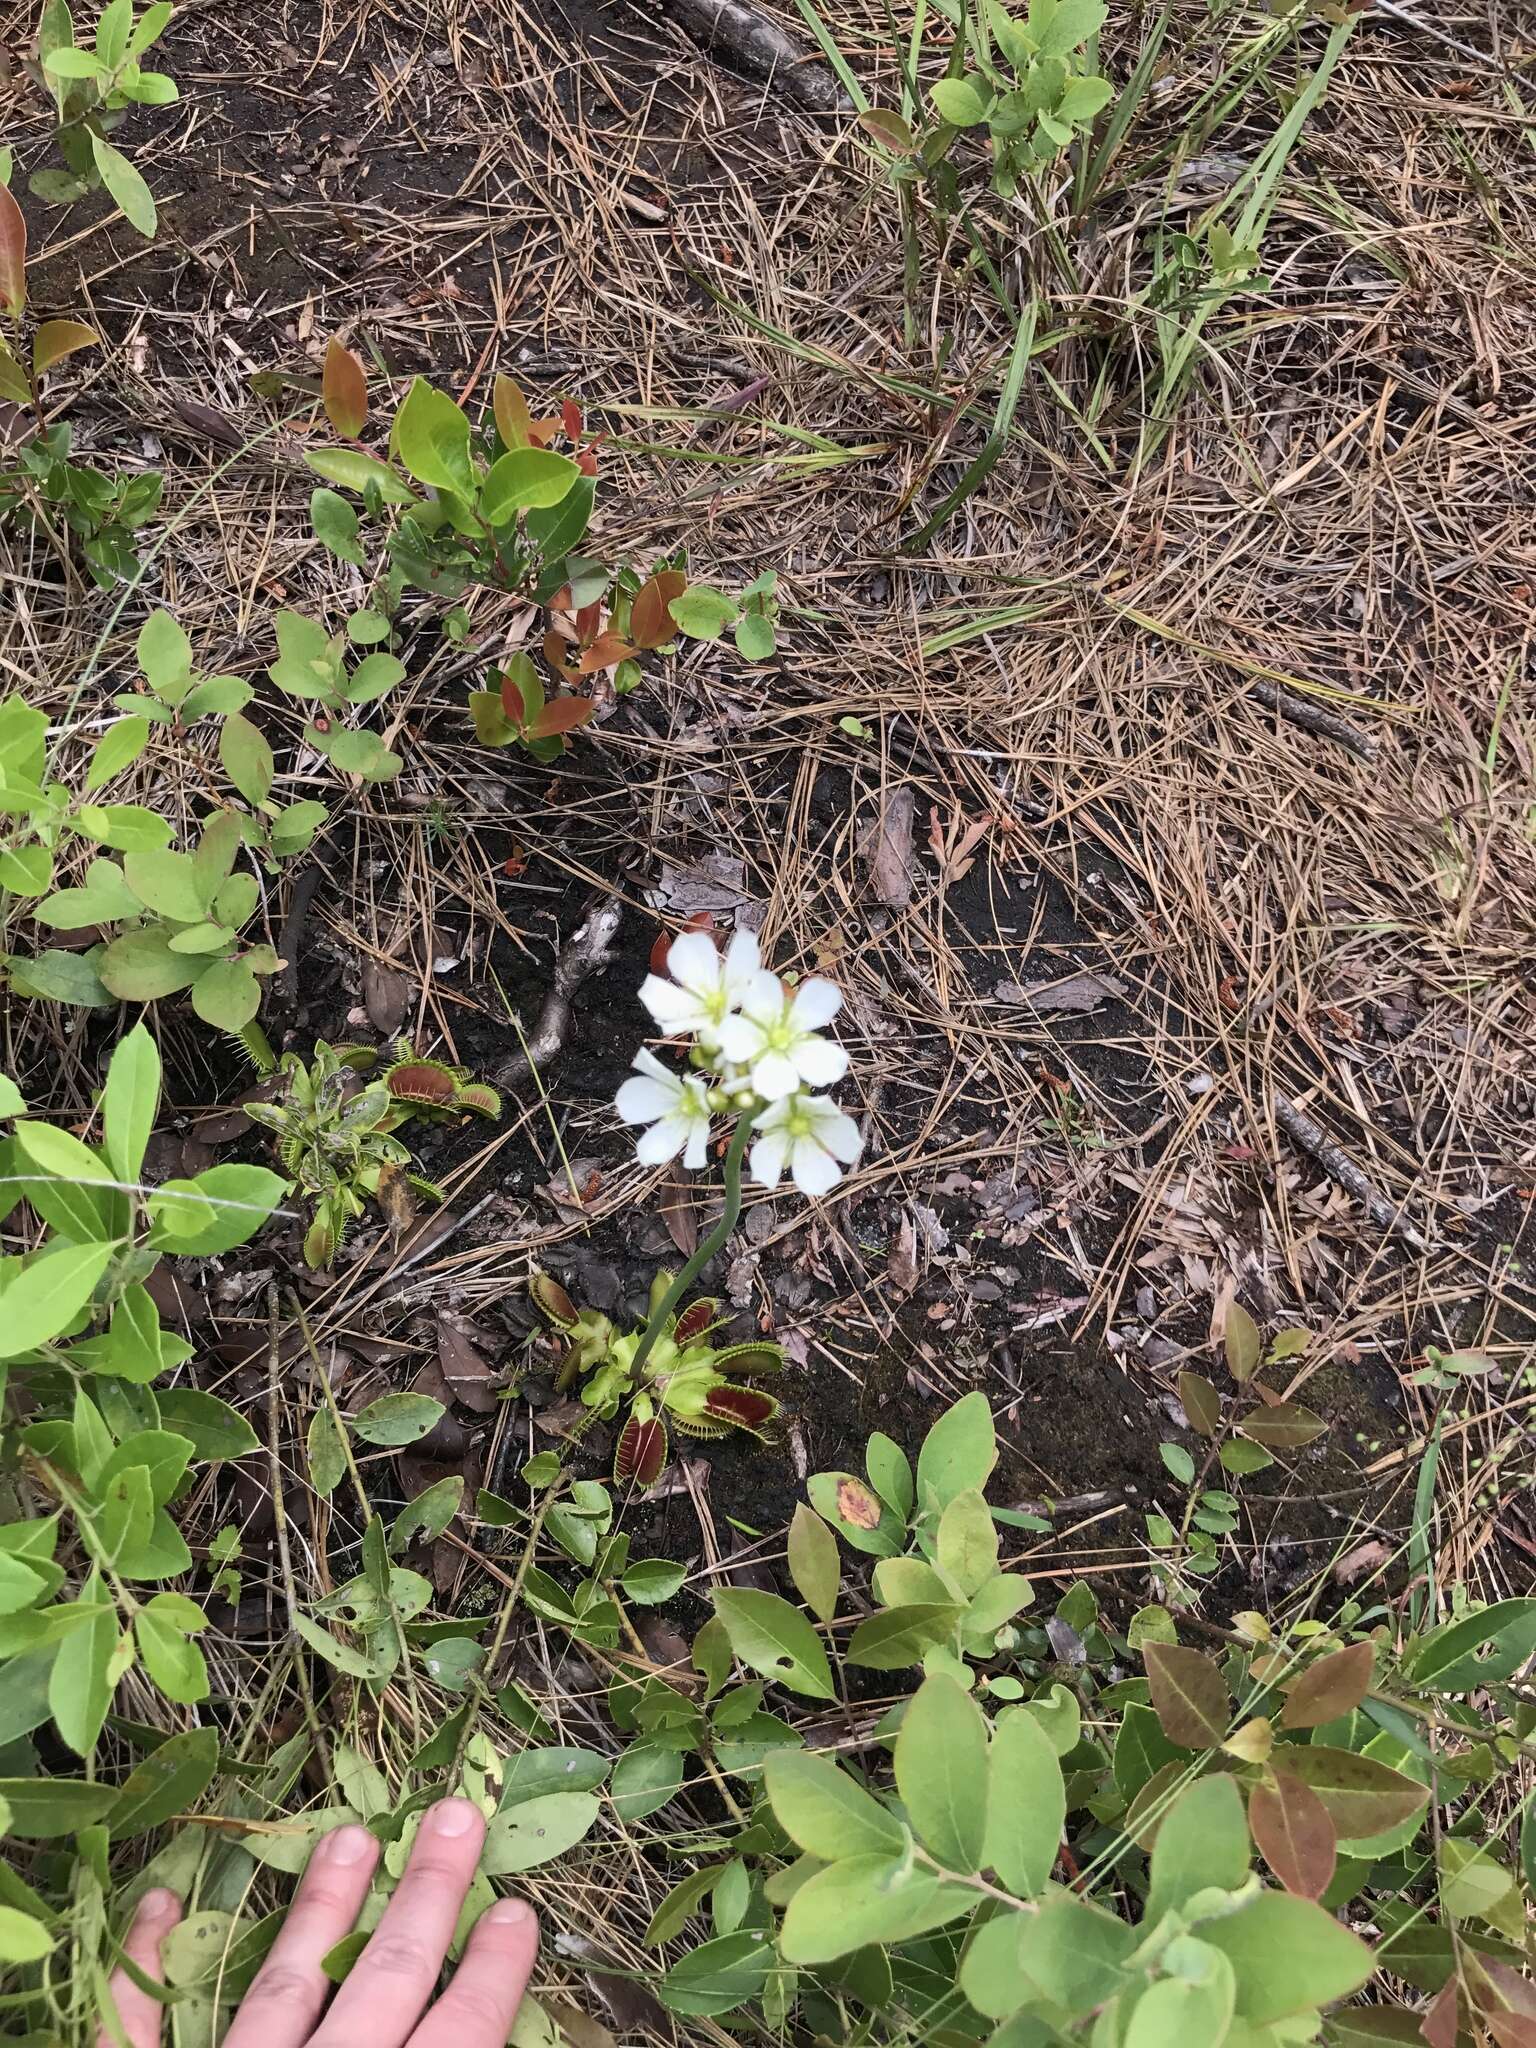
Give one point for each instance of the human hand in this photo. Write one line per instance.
(384, 2002)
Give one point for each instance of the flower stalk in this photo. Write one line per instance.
(729, 1217)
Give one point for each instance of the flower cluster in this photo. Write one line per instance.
(757, 1051)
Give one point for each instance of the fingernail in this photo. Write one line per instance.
(453, 1817)
(510, 1913)
(157, 1904)
(348, 1845)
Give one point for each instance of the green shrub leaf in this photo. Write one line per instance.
(941, 1772)
(773, 1638)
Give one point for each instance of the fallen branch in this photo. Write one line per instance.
(589, 949)
(1340, 1167)
(1314, 718)
(758, 47)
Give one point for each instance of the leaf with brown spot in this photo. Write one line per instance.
(650, 620)
(1244, 1345)
(1201, 1403)
(1333, 1686)
(856, 1504)
(1295, 1834)
(888, 127)
(640, 1453)
(13, 255)
(1285, 1427)
(1189, 1695)
(344, 390)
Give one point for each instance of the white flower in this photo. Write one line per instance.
(775, 1037)
(705, 987)
(809, 1134)
(676, 1106)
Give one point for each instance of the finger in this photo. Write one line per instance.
(289, 1990)
(138, 2014)
(479, 2006)
(396, 1973)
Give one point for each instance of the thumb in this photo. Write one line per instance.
(136, 2014)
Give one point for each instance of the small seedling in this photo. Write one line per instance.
(92, 89)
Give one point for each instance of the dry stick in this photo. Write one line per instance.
(589, 949)
(1340, 1167)
(1314, 718)
(761, 49)
(284, 1553)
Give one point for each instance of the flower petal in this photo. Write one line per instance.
(775, 1076)
(839, 1134)
(739, 1039)
(693, 961)
(697, 1151)
(767, 1159)
(816, 1003)
(673, 1008)
(761, 995)
(663, 1141)
(742, 957)
(820, 1062)
(642, 1100)
(815, 1172)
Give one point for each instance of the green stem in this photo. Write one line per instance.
(729, 1216)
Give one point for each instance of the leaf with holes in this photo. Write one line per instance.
(1189, 1694)
(776, 1640)
(1295, 1834)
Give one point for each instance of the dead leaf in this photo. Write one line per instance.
(579, 2028)
(901, 1260)
(954, 846)
(469, 1378)
(679, 1209)
(888, 849)
(1077, 992)
(386, 996)
(1365, 1557)
(717, 883)
(561, 1418)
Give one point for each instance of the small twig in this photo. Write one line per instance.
(588, 950)
(1439, 35)
(760, 48)
(1337, 1164)
(1314, 718)
(280, 1523)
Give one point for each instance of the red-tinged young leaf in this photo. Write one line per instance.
(1189, 1695)
(544, 431)
(1295, 1834)
(586, 622)
(661, 945)
(641, 1453)
(512, 419)
(516, 701)
(1201, 1403)
(1244, 1345)
(650, 621)
(563, 715)
(1442, 2023)
(557, 651)
(695, 1320)
(586, 461)
(421, 1081)
(344, 390)
(1511, 2029)
(1333, 1686)
(551, 1299)
(1285, 1427)
(606, 651)
(13, 255)
(745, 1408)
(56, 339)
(887, 127)
(570, 419)
(1363, 1796)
